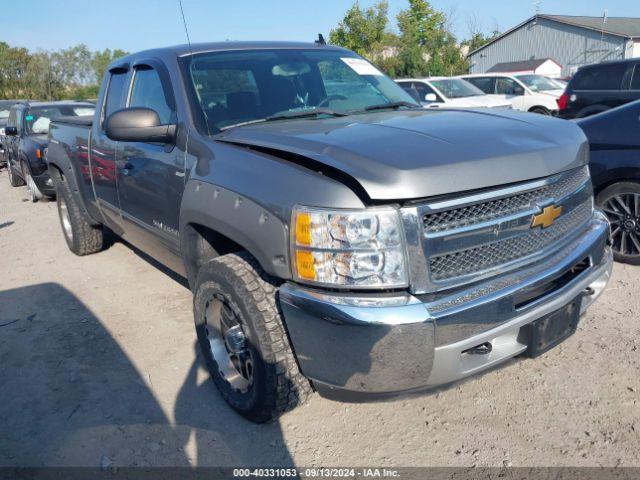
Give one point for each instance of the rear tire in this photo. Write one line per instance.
(14, 180)
(620, 202)
(243, 340)
(82, 238)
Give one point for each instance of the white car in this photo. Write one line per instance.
(445, 92)
(526, 92)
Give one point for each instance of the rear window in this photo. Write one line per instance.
(37, 119)
(602, 77)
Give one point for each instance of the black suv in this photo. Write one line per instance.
(600, 87)
(26, 138)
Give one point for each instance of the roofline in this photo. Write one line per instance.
(550, 17)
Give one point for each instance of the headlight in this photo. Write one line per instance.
(359, 248)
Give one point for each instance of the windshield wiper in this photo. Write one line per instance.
(289, 115)
(393, 105)
(305, 113)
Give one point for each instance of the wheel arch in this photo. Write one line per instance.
(539, 107)
(215, 221)
(59, 168)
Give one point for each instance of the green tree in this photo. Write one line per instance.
(71, 73)
(427, 47)
(363, 31)
(101, 60)
(479, 39)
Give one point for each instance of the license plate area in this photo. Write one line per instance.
(547, 332)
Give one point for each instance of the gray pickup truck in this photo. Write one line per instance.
(336, 236)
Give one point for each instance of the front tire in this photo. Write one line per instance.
(82, 238)
(540, 111)
(34, 192)
(243, 340)
(621, 204)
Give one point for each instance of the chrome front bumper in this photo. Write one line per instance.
(372, 345)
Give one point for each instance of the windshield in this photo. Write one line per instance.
(456, 88)
(237, 87)
(538, 83)
(37, 119)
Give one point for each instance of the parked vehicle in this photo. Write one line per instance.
(601, 87)
(615, 167)
(26, 141)
(336, 235)
(436, 92)
(5, 105)
(528, 93)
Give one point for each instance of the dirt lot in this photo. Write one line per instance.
(98, 367)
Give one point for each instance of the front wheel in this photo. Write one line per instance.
(243, 340)
(621, 204)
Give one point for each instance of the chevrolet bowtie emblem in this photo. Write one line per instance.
(547, 217)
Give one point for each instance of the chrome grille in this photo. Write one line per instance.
(502, 207)
(502, 252)
(463, 240)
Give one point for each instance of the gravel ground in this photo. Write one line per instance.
(98, 367)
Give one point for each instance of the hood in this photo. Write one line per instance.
(402, 155)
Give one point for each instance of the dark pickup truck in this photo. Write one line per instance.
(336, 236)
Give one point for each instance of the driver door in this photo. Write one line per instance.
(150, 176)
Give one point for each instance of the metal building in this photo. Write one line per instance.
(570, 41)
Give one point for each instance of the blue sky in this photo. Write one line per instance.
(138, 24)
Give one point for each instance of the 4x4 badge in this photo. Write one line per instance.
(547, 217)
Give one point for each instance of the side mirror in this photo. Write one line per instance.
(431, 97)
(518, 90)
(11, 131)
(138, 124)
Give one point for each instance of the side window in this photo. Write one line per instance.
(113, 102)
(19, 119)
(486, 84)
(635, 81)
(423, 89)
(148, 92)
(508, 86)
(11, 122)
(602, 77)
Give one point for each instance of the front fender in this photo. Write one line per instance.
(240, 219)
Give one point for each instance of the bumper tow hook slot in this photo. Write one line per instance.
(589, 291)
(482, 349)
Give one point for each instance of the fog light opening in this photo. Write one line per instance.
(482, 349)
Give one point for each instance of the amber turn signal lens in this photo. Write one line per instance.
(303, 228)
(305, 265)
